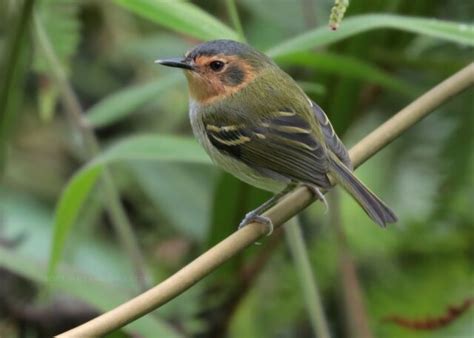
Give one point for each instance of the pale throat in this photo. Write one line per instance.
(203, 90)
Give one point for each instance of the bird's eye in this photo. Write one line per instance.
(216, 65)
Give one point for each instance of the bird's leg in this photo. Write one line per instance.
(255, 215)
(318, 194)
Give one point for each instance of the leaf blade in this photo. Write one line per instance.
(154, 147)
(124, 102)
(350, 67)
(181, 16)
(144, 147)
(101, 295)
(67, 210)
(450, 31)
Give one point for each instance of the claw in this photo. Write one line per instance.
(319, 195)
(252, 217)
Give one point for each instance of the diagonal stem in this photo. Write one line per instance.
(288, 207)
(234, 17)
(310, 290)
(357, 322)
(119, 218)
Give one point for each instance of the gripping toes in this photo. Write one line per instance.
(319, 195)
(252, 217)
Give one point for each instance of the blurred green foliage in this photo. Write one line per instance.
(383, 55)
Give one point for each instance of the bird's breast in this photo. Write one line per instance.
(225, 161)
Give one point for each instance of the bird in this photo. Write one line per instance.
(255, 122)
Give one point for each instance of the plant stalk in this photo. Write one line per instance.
(119, 218)
(287, 208)
(310, 290)
(234, 17)
(357, 321)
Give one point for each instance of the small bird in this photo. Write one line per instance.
(255, 122)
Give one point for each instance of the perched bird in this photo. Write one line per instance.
(255, 122)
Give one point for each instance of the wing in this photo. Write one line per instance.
(333, 142)
(282, 144)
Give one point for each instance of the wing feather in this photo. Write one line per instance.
(283, 144)
(332, 140)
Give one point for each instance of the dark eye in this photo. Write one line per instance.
(216, 65)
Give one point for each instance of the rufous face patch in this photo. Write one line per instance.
(218, 76)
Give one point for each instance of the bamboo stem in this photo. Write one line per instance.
(288, 207)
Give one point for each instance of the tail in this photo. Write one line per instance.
(372, 205)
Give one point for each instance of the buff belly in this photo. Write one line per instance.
(243, 171)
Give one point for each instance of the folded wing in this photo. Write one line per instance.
(283, 145)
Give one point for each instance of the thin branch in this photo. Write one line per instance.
(309, 286)
(288, 207)
(357, 321)
(234, 17)
(115, 210)
(68, 97)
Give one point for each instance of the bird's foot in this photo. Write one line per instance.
(252, 217)
(319, 195)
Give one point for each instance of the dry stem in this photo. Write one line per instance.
(289, 206)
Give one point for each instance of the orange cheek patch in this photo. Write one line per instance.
(205, 86)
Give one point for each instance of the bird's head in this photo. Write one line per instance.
(219, 68)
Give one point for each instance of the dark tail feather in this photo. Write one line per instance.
(373, 206)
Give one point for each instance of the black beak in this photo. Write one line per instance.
(175, 62)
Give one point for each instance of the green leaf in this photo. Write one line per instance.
(431, 284)
(122, 103)
(47, 98)
(350, 67)
(74, 282)
(451, 31)
(166, 148)
(96, 278)
(181, 16)
(62, 27)
(229, 208)
(232, 200)
(166, 184)
(147, 147)
(67, 210)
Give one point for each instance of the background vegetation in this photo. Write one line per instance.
(81, 100)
